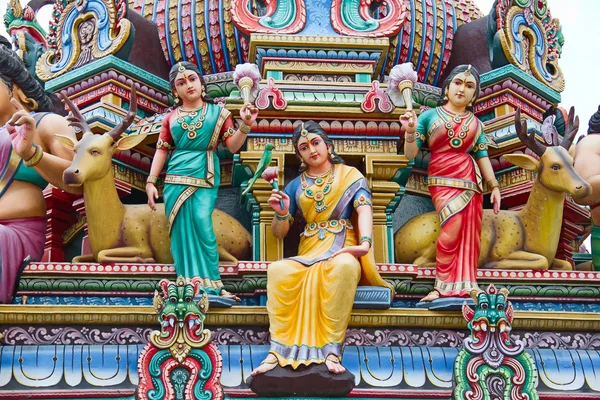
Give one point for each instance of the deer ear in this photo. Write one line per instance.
(572, 151)
(129, 142)
(523, 160)
(66, 141)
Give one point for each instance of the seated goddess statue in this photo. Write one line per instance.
(30, 158)
(310, 296)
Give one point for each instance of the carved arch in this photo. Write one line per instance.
(111, 33)
(531, 40)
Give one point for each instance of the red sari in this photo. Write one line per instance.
(455, 185)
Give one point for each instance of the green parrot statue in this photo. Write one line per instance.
(264, 162)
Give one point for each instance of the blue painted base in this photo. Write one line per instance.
(220, 301)
(374, 297)
(77, 369)
(446, 304)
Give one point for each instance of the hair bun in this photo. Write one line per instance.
(594, 125)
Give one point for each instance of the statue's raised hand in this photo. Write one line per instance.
(408, 121)
(21, 128)
(248, 114)
(274, 202)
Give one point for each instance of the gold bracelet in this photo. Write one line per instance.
(493, 183)
(410, 137)
(152, 179)
(36, 157)
(244, 128)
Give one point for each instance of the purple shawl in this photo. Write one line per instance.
(9, 161)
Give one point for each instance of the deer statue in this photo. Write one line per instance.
(525, 239)
(129, 233)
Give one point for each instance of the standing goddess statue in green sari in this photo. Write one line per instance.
(192, 131)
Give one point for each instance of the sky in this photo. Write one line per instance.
(580, 20)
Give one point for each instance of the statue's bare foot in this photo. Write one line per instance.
(433, 295)
(268, 364)
(228, 295)
(333, 364)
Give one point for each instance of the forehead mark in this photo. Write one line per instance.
(465, 78)
(308, 138)
(185, 74)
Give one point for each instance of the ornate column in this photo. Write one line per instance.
(61, 215)
(265, 246)
(380, 171)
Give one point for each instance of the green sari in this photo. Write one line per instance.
(191, 189)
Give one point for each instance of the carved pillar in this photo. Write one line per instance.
(269, 248)
(380, 171)
(575, 219)
(79, 206)
(61, 216)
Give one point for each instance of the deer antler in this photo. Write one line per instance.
(116, 132)
(571, 128)
(527, 138)
(76, 120)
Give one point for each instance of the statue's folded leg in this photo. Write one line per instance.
(309, 308)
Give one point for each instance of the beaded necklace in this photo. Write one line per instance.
(456, 140)
(191, 126)
(316, 193)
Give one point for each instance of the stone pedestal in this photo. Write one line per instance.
(312, 381)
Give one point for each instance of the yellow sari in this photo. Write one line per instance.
(310, 296)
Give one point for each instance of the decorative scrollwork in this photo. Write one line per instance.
(377, 100)
(490, 360)
(41, 336)
(180, 359)
(528, 37)
(111, 32)
(271, 95)
(282, 16)
(353, 18)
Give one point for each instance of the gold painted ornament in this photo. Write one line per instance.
(314, 191)
(190, 125)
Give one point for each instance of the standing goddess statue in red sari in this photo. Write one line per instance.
(459, 158)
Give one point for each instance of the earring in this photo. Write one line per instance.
(445, 96)
(203, 91)
(302, 165)
(331, 155)
(31, 104)
(176, 99)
